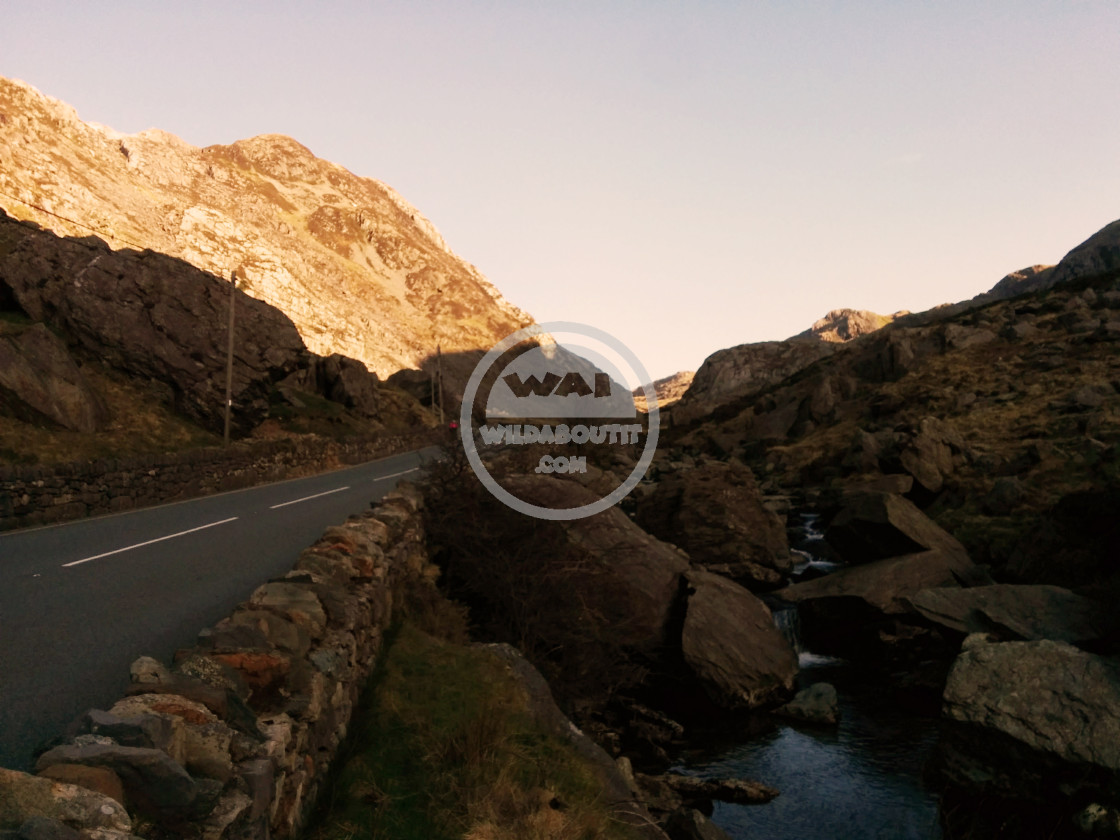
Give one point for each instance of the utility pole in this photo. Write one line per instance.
(229, 355)
(439, 378)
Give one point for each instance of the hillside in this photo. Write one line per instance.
(357, 269)
(1006, 416)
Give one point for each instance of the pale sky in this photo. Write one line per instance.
(686, 176)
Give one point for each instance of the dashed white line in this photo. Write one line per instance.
(397, 475)
(149, 542)
(306, 498)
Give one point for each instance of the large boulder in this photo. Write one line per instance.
(626, 580)
(39, 378)
(340, 379)
(714, 511)
(1037, 719)
(886, 586)
(861, 611)
(932, 452)
(875, 526)
(730, 642)
(352, 384)
(1028, 613)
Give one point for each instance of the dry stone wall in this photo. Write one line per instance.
(235, 737)
(44, 494)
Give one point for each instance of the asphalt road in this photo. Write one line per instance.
(80, 601)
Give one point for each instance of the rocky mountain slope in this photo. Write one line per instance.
(1004, 420)
(105, 345)
(738, 372)
(842, 325)
(669, 390)
(357, 269)
(746, 369)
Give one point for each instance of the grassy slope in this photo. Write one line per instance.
(444, 748)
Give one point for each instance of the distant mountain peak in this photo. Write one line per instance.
(841, 325)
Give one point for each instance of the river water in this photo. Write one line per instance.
(861, 779)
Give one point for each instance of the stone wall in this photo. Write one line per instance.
(235, 739)
(44, 494)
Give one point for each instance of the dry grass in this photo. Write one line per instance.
(444, 748)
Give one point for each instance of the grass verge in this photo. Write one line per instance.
(445, 748)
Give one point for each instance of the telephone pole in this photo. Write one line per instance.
(229, 356)
(439, 379)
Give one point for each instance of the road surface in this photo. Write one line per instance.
(80, 601)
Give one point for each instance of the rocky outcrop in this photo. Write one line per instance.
(340, 379)
(1029, 279)
(932, 451)
(1028, 613)
(730, 642)
(1098, 254)
(153, 317)
(742, 371)
(1038, 719)
(714, 511)
(668, 390)
(357, 269)
(842, 325)
(39, 379)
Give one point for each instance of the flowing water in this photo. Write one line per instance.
(859, 780)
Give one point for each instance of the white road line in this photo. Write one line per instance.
(305, 498)
(149, 542)
(397, 475)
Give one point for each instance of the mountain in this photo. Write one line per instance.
(842, 325)
(357, 269)
(737, 372)
(1003, 418)
(669, 390)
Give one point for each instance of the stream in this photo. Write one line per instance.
(861, 779)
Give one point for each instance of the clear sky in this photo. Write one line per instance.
(687, 176)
